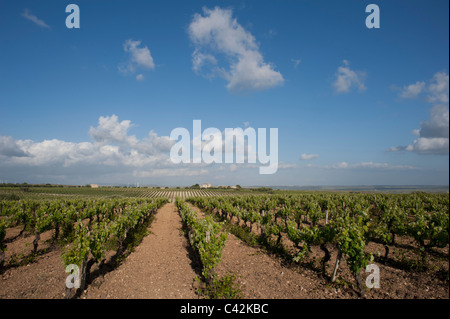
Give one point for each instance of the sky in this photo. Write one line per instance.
(352, 105)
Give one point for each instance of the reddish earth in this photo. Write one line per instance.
(159, 268)
(162, 266)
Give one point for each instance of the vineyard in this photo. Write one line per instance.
(97, 243)
(112, 192)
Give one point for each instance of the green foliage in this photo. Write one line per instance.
(351, 238)
(206, 238)
(223, 288)
(2, 235)
(347, 221)
(80, 247)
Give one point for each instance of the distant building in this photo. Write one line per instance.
(206, 185)
(94, 185)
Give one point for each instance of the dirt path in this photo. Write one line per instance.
(159, 268)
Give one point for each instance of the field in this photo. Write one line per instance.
(222, 243)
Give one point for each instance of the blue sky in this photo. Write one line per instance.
(353, 106)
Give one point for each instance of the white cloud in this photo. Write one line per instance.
(10, 148)
(166, 172)
(433, 135)
(364, 166)
(109, 130)
(307, 157)
(340, 165)
(437, 125)
(154, 144)
(346, 79)
(439, 88)
(30, 16)
(140, 58)
(111, 146)
(217, 32)
(430, 145)
(140, 77)
(383, 166)
(199, 60)
(412, 91)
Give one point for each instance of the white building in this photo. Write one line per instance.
(206, 185)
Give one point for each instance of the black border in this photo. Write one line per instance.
(276, 308)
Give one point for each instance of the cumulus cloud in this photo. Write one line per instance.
(10, 148)
(438, 88)
(165, 172)
(139, 58)
(433, 134)
(412, 91)
(154, 144)
(112, 131)
(346, 79)
(438, 124)
(109, 130)
(433, 145)
(200, 60)
(30, 16)
(217, 33)
(111, 150)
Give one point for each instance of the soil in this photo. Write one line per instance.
(159, 268)
(42, 278)
(163, 267)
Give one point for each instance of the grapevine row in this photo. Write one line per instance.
(88, 227)
(205, 237)
(346, 221)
